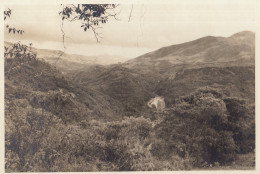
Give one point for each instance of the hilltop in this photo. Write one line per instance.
(238, 49)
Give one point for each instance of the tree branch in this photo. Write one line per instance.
(96, 34)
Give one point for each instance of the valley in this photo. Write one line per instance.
(97, 118)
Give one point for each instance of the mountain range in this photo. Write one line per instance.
(236, 49)
(225, 63)
(177, 70)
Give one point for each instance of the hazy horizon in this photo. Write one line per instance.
(151, 26)
(39, 46)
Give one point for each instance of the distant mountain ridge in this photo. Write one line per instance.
(70, 62)
(236, 49)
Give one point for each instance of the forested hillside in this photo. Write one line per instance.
(97, 118)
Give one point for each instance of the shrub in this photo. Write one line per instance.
(197, 128)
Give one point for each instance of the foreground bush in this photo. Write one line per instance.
(202, 128)
(206, 127)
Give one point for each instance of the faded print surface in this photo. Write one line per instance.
(130, 87)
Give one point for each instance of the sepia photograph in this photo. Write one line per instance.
(137, 86)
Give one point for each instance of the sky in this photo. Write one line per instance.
(151, 26)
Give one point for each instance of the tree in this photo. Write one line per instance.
(241, 123)
(7, 14)
(91, 15)
(16, 53)
(32, 139)
(196, 129)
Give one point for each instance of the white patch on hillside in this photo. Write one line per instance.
(157, 102)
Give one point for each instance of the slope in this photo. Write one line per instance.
(43, 86)
(238, 49)
(129, 88)
(236, 81)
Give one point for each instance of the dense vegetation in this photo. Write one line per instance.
(55, 125)
(97, 119)
(207, 127)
